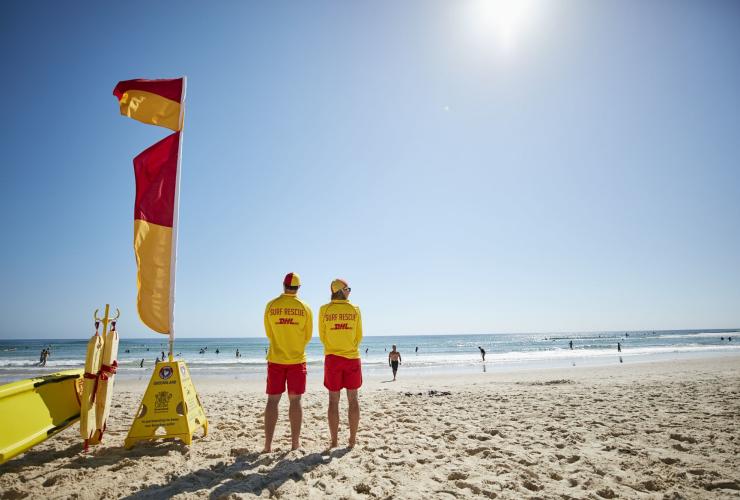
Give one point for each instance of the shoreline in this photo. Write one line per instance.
(413, 366)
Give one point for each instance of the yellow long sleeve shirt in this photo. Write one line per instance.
(340, 329)
(289, 326)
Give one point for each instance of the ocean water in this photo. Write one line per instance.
(19, 358)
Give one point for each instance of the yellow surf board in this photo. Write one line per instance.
(35, 409)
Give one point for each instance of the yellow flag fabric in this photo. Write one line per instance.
(151, 108)
(153, 249)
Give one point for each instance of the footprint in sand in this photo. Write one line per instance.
(724, 485)
(532, 486)
(606, 492)
(683, 439)
(362, 488)
(653, 485)
(51, 481)
(479, 437)
(475, 451)
(464, 485)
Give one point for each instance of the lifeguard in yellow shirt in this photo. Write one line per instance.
(288, 326)
(340, 329)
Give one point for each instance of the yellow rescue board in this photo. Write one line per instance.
(35, 409)
(90, 387)
(104, 395)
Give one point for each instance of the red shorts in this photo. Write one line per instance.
(278, 376)
(342, 373)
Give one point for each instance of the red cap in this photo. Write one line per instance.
(292, 279)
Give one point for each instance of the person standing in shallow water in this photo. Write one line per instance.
(394, 359)
(340, 329)
(289, 327)
(482, 353)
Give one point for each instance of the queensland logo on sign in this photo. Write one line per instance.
(165, 372)
(162, 401)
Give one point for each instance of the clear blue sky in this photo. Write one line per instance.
(468, 168)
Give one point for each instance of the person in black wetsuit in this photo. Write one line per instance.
(482, 353)
(394, 359)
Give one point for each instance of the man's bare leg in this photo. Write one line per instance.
(295, 413)
(271, 416)
(333, 417)
(354, 416)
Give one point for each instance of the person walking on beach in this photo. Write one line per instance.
(289, 327)
(482, 353)
(394, 359)
(340, 330)
(619, 347)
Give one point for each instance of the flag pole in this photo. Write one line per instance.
(175, 217)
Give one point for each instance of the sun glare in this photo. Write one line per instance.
(500, 22)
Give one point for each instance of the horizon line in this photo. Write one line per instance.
(165, 338)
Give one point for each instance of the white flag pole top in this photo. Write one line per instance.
(175, 217)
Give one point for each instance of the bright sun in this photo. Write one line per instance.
(500, 22)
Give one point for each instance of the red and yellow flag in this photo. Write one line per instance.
(156, 183)
(156, 102)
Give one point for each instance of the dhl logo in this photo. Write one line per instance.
(341, 326)
(286, 321)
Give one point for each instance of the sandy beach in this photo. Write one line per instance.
(659, 430)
